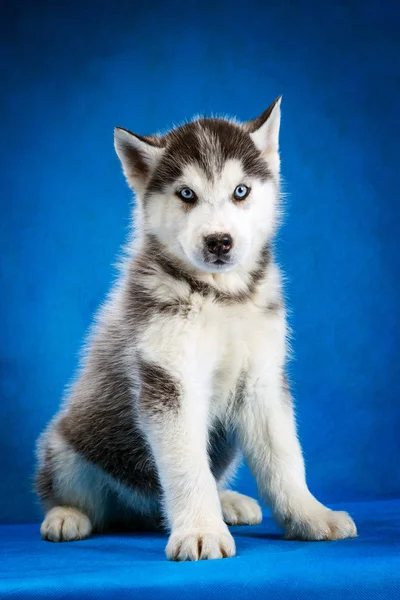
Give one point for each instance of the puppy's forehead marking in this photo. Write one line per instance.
(233, 173)
(220, 186)
(208, 143)
(194, 176)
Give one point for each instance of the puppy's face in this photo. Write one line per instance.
(208, 189)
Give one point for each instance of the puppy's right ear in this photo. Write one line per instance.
(138, 155)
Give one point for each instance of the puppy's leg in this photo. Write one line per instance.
(70, 490)
(173, 412)
(269, 440)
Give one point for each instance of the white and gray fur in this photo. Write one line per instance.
(185, 367)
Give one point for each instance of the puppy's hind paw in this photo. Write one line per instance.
(238, 509)
(65, 524)
(325, 524)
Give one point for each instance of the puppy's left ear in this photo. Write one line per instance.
(264, 131)
(139, 156)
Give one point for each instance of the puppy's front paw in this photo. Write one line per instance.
(322, 524)
(200, 544)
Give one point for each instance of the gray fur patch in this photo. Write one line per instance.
(208, 143)
(44, 479)
(159, 391)
(222, 449)
(102, 426)
(141, 304)
(101, 421)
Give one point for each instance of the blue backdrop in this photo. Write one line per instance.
(74, 70)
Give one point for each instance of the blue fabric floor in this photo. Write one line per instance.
(266, 566)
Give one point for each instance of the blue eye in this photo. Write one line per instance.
(241, 192)
(186, 194)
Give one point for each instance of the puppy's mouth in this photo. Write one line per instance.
(219, 262)
(206, 264)
(219, 265)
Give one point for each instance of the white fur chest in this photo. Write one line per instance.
(211, 344)
(248, 338)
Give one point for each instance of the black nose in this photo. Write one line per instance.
(218, 243)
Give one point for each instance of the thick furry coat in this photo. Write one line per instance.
(185, 367)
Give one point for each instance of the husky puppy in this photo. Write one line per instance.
(185, 367)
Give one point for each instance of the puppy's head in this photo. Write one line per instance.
(208, 190)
